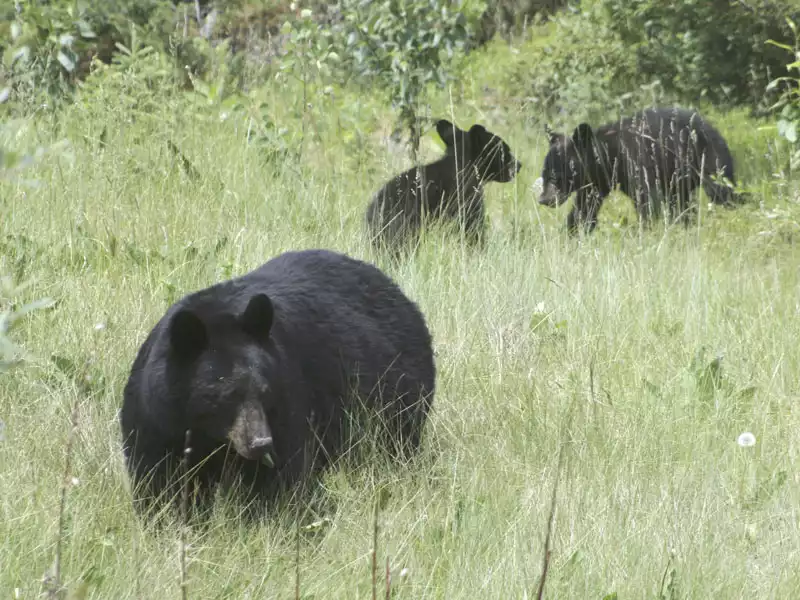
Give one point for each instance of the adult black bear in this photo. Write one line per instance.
(267, 365)
(658, 154)
(450, 188)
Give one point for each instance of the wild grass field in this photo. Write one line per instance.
(639, 357)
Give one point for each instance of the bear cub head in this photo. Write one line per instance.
(488, 152)
(566, 164)
(219, 367)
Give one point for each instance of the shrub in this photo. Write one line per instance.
(714, 49)
(563, 70)
(788, 105)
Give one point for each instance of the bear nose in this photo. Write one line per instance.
(260, 447)
(261, 444)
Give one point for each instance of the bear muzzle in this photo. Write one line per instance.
(250, 434)
(551, 196)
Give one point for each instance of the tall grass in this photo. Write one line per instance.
(643, 354)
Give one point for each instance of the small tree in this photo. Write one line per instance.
(405, 45)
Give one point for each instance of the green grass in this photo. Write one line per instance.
(605, 346)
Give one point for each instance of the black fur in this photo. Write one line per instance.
(450, 188)
(267, 365)
(658, 154)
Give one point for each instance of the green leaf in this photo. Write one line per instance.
(788, 130)
(779, 45)
(85, 30)
(65, 61)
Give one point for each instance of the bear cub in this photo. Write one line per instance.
(450, 189)
(659, 154)
(263, 371)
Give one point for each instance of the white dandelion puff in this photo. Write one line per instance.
(746, 439)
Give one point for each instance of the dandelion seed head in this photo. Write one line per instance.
(746, 439)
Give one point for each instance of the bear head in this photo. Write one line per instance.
(220, 370)
(487, 151)
(567, 164)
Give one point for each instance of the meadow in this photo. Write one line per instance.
(621, 367)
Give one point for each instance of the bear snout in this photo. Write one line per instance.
(551, 196)
(261, 446)
(250, 434)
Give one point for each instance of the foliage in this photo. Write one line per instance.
(404, 46)
(46, 45)
(509, 17)
(563, 73)
(10, 311)
(788, 105)
(714, 49)
(602, 54)
(50, 46)
(310, 54)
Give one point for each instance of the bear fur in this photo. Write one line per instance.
(658, 154)
(449, 189)
(263, 369)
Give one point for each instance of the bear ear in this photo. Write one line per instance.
(257, 317)
(448, 132)
(479, 135)
(187, 335)
(583, 137)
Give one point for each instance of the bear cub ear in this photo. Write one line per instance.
(187, 335)
(583, 137)
(448, 132)
(480, 136)
(257, 317)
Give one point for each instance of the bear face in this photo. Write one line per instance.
(488, 152)
(220, 369)
(565, 165)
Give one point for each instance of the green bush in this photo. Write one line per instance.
(788, 105)
(48, 47)
(605, 56)
(509, 17)
(715, 49)
(562, 70)
(402, 46)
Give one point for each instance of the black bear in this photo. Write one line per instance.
(450, 188)
(263, 371)
(658, 154)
